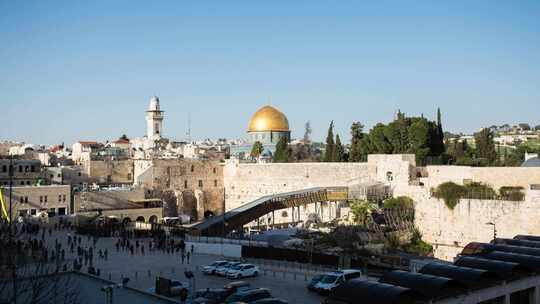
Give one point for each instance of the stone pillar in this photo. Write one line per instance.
(199, 197)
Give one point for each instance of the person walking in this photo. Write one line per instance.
(187, 257)
(183, 257)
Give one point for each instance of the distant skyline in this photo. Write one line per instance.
(74, 70)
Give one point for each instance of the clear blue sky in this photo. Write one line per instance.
(82, 70)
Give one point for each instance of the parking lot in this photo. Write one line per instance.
(143, 269)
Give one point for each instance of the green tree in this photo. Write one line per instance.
(256, 149)
(400, 202)
(361, 210)
(283, 151)
(419, 138)
(355, 154)
(339, 151)
(379, 141)
(485, 146)
(330, 145)
(438, 137)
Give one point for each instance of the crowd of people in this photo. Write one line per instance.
(36, 242)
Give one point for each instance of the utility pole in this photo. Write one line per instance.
(10, 221)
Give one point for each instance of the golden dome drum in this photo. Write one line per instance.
(268, 118)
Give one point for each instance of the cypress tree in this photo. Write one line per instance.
(330, 146)
(282, 153)
(355, 155)
(339, 151)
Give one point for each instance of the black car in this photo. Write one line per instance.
(210, 296)
(248, 296)
(314, 280)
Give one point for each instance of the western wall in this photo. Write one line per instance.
(447, 230)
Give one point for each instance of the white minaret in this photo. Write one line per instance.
(154, 120)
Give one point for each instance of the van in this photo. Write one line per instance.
(331, 280)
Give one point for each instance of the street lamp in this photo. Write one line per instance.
(494, 229)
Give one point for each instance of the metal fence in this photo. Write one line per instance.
(220, 240)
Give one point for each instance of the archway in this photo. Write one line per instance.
(153, 219)
(140, 219)
(126, 220)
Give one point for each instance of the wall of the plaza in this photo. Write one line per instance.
(247, 182)
(495, 176)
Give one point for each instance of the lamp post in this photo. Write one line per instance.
(494, 229)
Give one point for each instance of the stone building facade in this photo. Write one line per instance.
(197, 184)
(54, 199)
(109, 171)
(25, 171)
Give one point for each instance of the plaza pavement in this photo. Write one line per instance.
(142, 269)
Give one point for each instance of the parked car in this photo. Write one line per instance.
(222, 270)
(314, 280)
(242, 271)
(176, 288)
(235, 286)
(249, 296)
(211, 269)
(210, 296)
(331, 280)
(270, 301)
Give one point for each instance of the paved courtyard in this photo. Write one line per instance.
(288, 284)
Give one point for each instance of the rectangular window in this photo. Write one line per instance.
(185, 184)
(26, 199)
(23, 212)
(45, 198)
(41, 199)
(20, 168)
(64, 198)
(59, 198)
(200, 183)
(61, 211)
(33, 211)
(215, 183)
(21, 199)
(215, 170)
(33, 168)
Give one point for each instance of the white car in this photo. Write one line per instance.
(242, 271)
(222, 270)
(331, 280)
(211, 269)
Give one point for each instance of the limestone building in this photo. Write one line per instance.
(26, 172)
(197, 184)
(53, 200)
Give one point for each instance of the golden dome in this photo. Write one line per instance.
(268, 118)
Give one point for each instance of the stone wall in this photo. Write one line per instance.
(450, 230)
(110, 171)
(495, 176)
(201, 180)
(247, 182)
